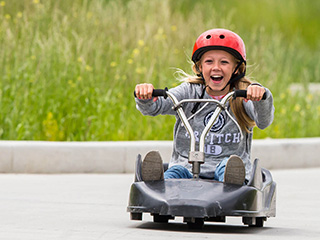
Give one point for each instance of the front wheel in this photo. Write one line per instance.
(254, 221)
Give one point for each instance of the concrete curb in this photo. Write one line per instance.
(119, 157)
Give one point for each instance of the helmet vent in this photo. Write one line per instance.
(221, 36)
(208, 36)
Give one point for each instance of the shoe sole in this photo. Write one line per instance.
(235, 171)
(152, 167)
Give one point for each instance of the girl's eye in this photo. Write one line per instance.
(208, 61)
(224, 62)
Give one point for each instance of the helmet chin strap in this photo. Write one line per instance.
(235, 77)
(199, 73)
(196, 106)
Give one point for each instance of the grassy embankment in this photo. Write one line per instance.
(69, 67)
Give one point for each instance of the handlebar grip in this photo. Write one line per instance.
(160, 93)
(243, 93)
(157, 93)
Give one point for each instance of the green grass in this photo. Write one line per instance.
(69, 67)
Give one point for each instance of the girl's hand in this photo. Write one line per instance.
(144, 91)
(255, 93)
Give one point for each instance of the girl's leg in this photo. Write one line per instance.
(177, 171)
(219, 173)
(231, 170)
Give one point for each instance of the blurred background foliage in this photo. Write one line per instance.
(68, 68)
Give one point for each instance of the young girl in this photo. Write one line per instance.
(219, 65)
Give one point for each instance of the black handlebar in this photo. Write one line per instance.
(237, 93)
(243, 93)
(160, 93)
(157, 93)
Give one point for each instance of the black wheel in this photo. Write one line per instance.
(254, 221)
(136, 216)
(161, 218)
(196, 224)
(259, 222)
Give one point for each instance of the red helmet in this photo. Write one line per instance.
(219, 39)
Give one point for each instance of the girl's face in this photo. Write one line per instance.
(217, 67)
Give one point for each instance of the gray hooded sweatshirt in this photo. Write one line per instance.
(223, 139)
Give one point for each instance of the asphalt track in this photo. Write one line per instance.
(93, 206)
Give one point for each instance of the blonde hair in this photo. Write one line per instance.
(244, 121)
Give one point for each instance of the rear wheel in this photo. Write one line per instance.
(196, 223)
(161, 218)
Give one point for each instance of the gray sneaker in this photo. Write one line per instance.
(152, 167)
(235, 172)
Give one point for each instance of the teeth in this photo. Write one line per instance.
(216, 76)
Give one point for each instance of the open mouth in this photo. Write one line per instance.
(216, 78)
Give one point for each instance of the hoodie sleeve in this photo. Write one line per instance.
(261, 112)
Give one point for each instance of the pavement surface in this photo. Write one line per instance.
(93, 206)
